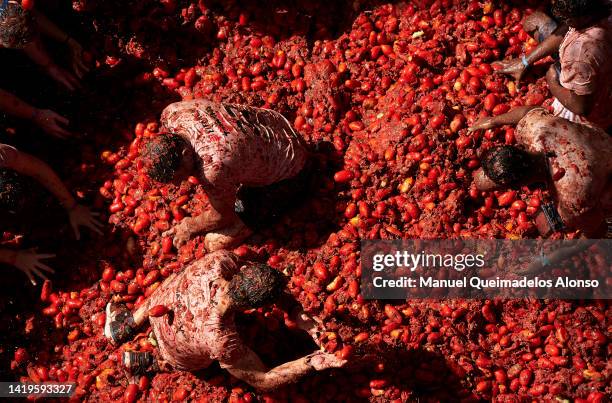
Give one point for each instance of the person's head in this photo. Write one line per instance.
(503, 166)
(580, 13)
(16, 27)
(14, 194)
(256, 285)
(168, 157)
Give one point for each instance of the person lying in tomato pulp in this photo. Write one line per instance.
(573, 160)
(192, 316)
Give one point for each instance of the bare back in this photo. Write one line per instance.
(580, 159)
(237, 144)
(194, 333)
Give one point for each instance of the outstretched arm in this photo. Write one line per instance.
(28, 261)
(47, 120)
(12, 105)
(48, 28)
(549, 46)
(31, 166)
(579, 104)
(250, 369)
(35, 51)
(510, 118)
(517, 67)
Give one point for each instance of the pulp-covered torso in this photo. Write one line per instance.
(579, 157)
(194, 334)
(237, 144)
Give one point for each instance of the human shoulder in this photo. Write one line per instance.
(221, 263)
(537, 125)
(582, 44)
(533, 119)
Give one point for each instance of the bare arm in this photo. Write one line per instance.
(14, 106)
(31, 166)
(28, 261)
(510, 118)
(549, 46)
(207, 221)
(579, 104)
(250, 369)
(47, 120)
(48, 28)
(310, 324)
(516, 68)
(39, 55)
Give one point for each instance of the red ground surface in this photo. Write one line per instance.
(393, 88)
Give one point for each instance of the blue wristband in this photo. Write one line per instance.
(3, 6)
(524, 60)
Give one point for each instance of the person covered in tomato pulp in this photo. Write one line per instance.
(15, 200)
(192, 316)
(21, 29)
(229, 148)
(580, 37)
(573, 161)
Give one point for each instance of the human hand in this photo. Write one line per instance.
(181, 233)
(81, 216)
(321, 360)
(28, 261)
(76, 54)
(483, 124)
(51, 123)
(513, 68)
(64, 77)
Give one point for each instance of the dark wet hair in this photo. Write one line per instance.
(164, 154)
(14, 192)
(256, 285)
(506, 165)
(16, 27)
(567, 9)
